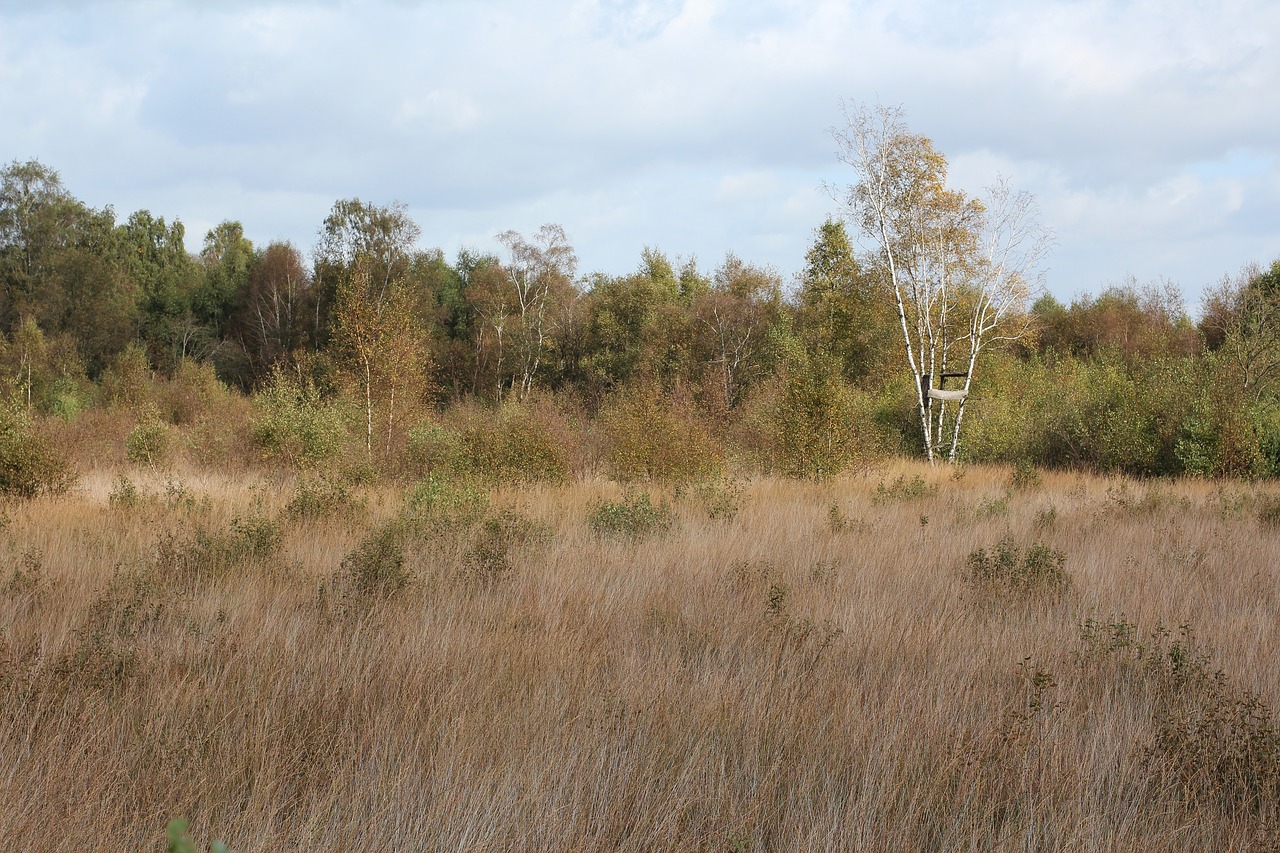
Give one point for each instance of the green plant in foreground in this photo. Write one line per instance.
(632, 517)
(179, 842)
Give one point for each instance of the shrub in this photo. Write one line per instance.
(443, 503)
(818, 425)
(124, 494)
(148, 442)
(903, 489)
(294, 424)
(518, 445)
(321, 497)
(721, 499)
(205, 554)
(514, 443)
(1218, 745)
(376, 567)
(128, 381)
(1009, 571)
(1025, 477)
(193, 390)
(435, 449)
(653, 436)
(1269, 510)
(29, 464)
(177, 840)
(633, 517)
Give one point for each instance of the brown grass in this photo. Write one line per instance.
(775, 681)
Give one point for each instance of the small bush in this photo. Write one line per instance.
(205, 555)
(317, 498)
(993, 507)
(148, 442)
(1269, 510)
(124, 494)
(295, 425)
(1047, 518)
(435, 449)
(633, 517)
(721, 499)
(1218, 746)
(651, 436)
(903, 489)
(177, 840)
(29, 464)
(1009, 571)
(375, 569)
(439, 502)
(1025, 476)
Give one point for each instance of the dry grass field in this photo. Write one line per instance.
(776, 665)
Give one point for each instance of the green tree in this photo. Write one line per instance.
(384, 350)
(155, 257)
(275, 309)
(838, 308)
(540, 272)
(379, 239)
(734, 315)
(37, 225)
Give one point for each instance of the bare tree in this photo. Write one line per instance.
(959, 271)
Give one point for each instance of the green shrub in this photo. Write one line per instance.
(903, 489)
(204, 555)
(1269, 510)
(177, 840)
(321, 497)
(819, 425)
(375, 569)
(440, 502)
(435, 449)
(124, 494)
(148, 441)
(633, 517)
(517, 445)
(1009, 571)
(1217, 745)
(29, 464)
(128, 381)
(721, 499)
(515, 442)
(294, 424)
(66, 398)
(1025, 477)
(651, 436)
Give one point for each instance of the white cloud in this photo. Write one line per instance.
(1144, 128)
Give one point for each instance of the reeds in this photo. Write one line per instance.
(368, 675)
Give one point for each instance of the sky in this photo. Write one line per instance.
(1147, 131)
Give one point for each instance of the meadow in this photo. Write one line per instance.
(902, 658)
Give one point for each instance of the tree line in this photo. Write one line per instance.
(812, 369)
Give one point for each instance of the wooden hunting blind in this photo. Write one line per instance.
(928, 393)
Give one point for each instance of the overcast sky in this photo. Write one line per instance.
(1148, 131)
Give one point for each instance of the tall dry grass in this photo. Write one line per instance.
(815, 672)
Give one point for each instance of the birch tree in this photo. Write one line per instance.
(385, 352)
(541, 273)
(958, 270)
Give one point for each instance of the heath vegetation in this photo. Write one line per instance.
(292, 662)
